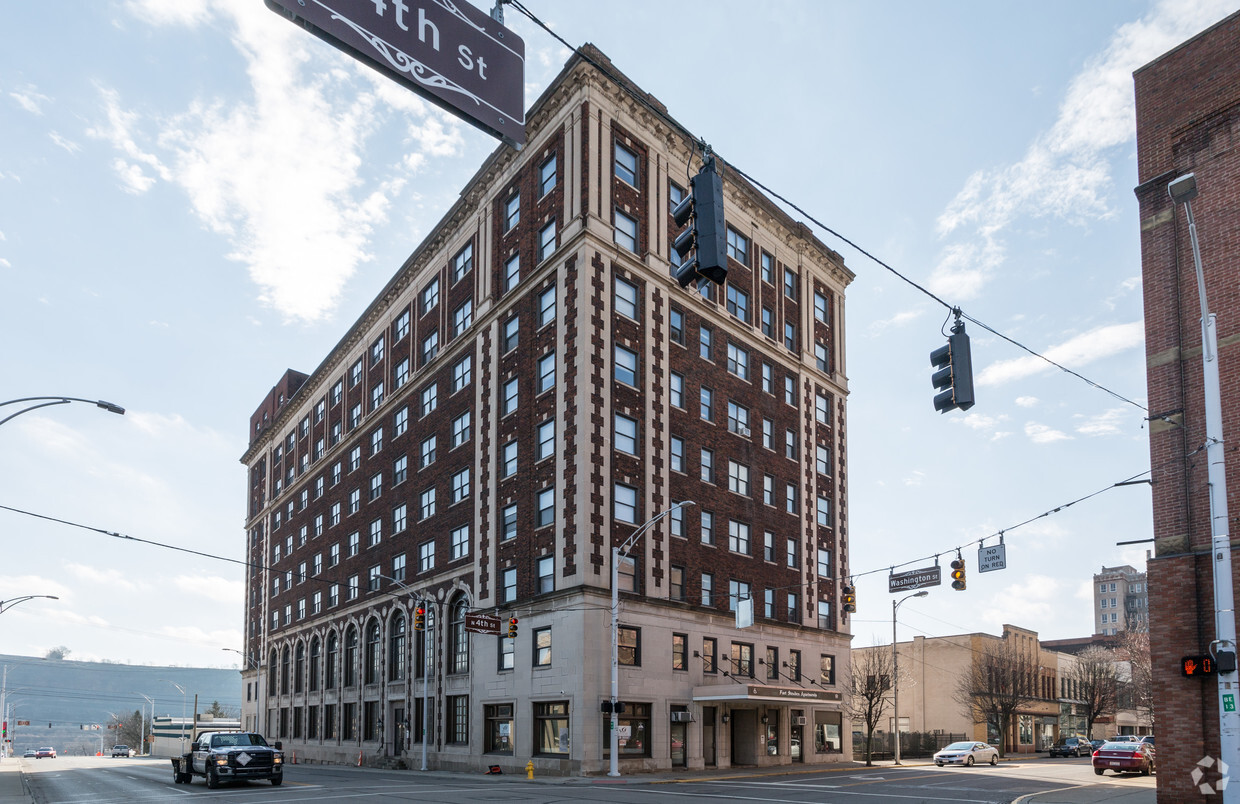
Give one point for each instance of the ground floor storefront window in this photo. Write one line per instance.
(827, 735)
(498, 728)
(634, 728)
(551, 732)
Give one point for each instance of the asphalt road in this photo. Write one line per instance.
(101, 780)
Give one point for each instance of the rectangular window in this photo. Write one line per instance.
(430, 295)
(508, 590)
(625, 434)
(794, 558)
(401, 327)
(427, 503)
(355, 501)
(708, 465)
(710, 655)
(546, 241)
(462, 373)
(708, 527)
(625, 366)
(822, 409)
(768, 323)
(542, 647)
(512, 329)
(460, 542)
(630, 646)
(678, 454)
(625, 498)
(821, 360)
(426, 452)
(768, 490)
(546, 574)
(708, 589)
(738, 419)
(355, 543)
(430, 347)
(546, 372)
(676, 386)
(551, 726)
(508, 459)
(768, 268)
(462, 317)
(738, 361)
(738, 303)
(705, 334)
(460, 429)
(676, 583)
(794, 616)
(676, 521)
(826, 674)
(430, 398)
(546, 508)
(738, 537)
(790, 284)
(376, 396)
(546, 306)
(460, 486)
(824, 563)
(546, 440)
(400, 422)
(355, 373)
(737, 591)
(738, 478)
(625, 232)
(790, 336)
(512, 212)
(546, 176)
(677, 326)
(742, 659)
(824, 512)
(376, 441)
(680, 651)
(426, 556)
(738, 246)
(400, 518)
(512, 272)
(790, 444)
(511, 397)
(508, 523)
(706, 403)
(821, 312)
(626, 165)
(376, 532)
(458, 719)
(626, 298)
(463, 263)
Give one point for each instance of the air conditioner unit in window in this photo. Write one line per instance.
(798, 721)
(682, 717)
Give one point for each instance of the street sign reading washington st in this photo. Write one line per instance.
(449, 52)
(914, 579)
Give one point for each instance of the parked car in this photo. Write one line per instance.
(121, 751)
(967, 753)
(1125, 757)
(48, 752)
(1134, 738)
(31, 753)
(1072, 747)
(1096, 743)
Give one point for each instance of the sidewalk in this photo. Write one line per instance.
(12, 791)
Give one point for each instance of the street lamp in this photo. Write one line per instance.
(895, 670)
(182, 691)
(616, 553)
(142, 749)
(1183, 190)
(425, 597)
(5, 605)
(47, 401)
(258, 681)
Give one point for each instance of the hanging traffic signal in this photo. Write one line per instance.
(958, 574)
(707, 234)
(954, 378)
(419, 618)
(850, 598)
(512, 628)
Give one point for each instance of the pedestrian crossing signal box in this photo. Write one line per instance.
(1193, 666)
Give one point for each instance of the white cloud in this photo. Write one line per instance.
(897, 320)
(982, 421)
(30, 100)
(108, 578)
(915, 478)
(1103, 424)
(170, 12)
(69, 145)
(5, 263)
(1043, 434)
(1065, 172)
(1026, 602)
(1074, 353)
(214, 588)
(1026, 401)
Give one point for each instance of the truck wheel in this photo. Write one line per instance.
(276, 781)
(213, 779)
(176, 775)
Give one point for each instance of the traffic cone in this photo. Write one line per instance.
(294, 757)
(359, 759)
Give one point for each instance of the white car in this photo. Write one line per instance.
(968, 753)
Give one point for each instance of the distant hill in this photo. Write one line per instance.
(59, 696)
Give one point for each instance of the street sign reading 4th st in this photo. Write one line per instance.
(449, 52)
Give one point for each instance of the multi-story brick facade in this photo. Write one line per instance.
(1188, 120)
(527, 391)
(1121, 600)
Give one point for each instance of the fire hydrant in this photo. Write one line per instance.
(529, 769)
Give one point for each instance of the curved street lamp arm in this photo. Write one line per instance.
(46, 401)
(5, 605)
(629, 542)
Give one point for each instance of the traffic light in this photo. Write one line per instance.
(419, 618)
(958, 574)
(707, 234)
(1197, 666)
(850, 598)
(954, 378)
(512, 628)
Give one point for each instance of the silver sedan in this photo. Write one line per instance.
(967, 753)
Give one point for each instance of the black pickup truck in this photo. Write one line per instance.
(228, 756)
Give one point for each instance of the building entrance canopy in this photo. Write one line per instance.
(758, 692)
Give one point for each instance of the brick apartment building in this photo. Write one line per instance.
(530, 388)
(1188, 120)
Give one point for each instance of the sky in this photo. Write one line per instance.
(195, 197)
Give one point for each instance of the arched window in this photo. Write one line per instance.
(350, 657)
(284, 670)
(333, 660)
(396, 648)
(373, 655)
(459, 647)
(272, 663)
(299, 669)
(314, 664)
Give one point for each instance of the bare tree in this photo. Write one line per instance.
(1000, 683)
(1134, 646)
(57, 653)
(1097, 680)
(868, 693)
(130, 731)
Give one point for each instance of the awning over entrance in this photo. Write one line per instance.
(758, 692)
